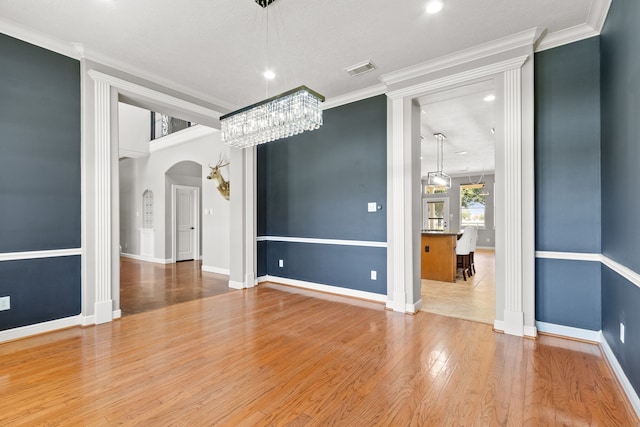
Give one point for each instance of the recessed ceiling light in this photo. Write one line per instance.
(434, 6)
(269, 75)
(489, 98)
(461, 152)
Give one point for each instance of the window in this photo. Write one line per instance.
(147, 209)
(434, 214)
(472, 205)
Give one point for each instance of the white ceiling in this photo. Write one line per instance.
(466, 119)
(215, 49)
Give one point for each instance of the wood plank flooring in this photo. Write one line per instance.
(473, 299)
(147, 286)
(275, 355)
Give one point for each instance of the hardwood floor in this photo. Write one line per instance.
(473, 299)
(275, 355)
(147, 286)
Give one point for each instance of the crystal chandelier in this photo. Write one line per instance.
(281, 116)
(439, 178)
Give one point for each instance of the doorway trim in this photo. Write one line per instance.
(174, 216)
(515, 247)
(100, 183)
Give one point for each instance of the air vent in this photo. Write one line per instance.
(361, 68)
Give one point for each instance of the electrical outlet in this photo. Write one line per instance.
(622, 332)
(5, 303)
(280, 263)
(374, 275)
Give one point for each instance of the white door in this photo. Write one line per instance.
(435, 214)
(185, 223)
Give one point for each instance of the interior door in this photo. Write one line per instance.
(185, 224)
(435, 214)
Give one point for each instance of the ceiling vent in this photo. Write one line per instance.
(361, 68)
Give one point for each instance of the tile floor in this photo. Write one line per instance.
(473, 299)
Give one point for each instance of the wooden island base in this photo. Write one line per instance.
(438, 256)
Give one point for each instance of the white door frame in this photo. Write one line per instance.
(196, 220)
(100, 183)
(512, 70)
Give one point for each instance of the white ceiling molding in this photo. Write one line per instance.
(163, 98)
(38, 39)
(78, 51)
(570, 35)
(185, 135)
(357, 95)
(154, 78)
(598, 14)
(462, 77)
(524, 38)
(593, 27)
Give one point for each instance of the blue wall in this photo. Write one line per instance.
(567, 174)
(620, 64)
(39, 181)
(317, 185)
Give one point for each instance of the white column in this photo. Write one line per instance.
(102, 192)
(396, 214)
(250, 223)
(513, 309)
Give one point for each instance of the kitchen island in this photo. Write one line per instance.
(438, 255)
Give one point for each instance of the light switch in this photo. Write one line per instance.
(372, 206)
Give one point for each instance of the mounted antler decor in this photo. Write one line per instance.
(223, 185)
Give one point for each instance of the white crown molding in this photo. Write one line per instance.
(566, 36)
(569, 332)
(55, 253)
(336, 290)
(39, 39)
(138, 72)
(593, 27)
(572, 256)
(178, 138)
(152, 94)
(598, 14)
(524, 38)
(363, 243)
(79, 51)
(217, 270)
(476, 73)
(619, 372)
(357, 95)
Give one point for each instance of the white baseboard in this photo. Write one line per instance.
(236, 285)
(39, 328)
(147, 258)
(218, 270)
(325, 288)
(569, 332)
(414, 308)
(617, 370)
(498, 325)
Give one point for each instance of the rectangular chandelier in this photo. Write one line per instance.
(281, 116)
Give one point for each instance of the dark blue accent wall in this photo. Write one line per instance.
(41, 290)
(620, 87)
(567, 147)
(317, 185)
(568, 293)
(40, 148)
(40, 192)
(621, 304)
(567, 174)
